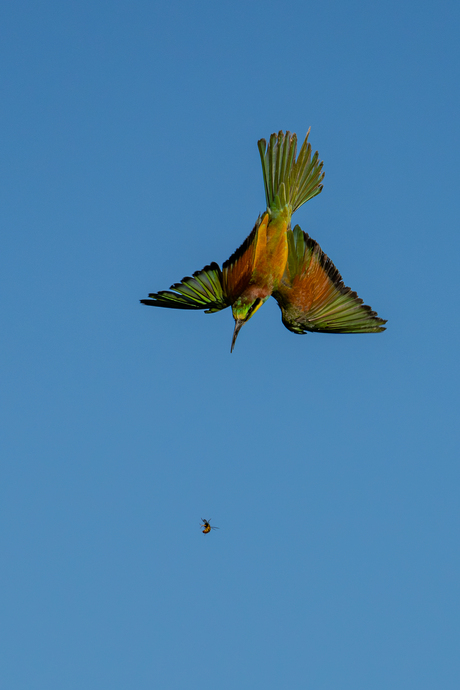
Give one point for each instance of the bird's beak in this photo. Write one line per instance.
(238, 324)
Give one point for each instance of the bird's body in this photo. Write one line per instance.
(277, 261)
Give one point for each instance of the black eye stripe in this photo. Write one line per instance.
(253, 306)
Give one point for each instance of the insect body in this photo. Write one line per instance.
(207, 527)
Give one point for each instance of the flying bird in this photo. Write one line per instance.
(275, 260)
(207, 526)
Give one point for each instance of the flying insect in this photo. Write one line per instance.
(207, 526)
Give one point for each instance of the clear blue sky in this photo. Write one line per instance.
(330, 463)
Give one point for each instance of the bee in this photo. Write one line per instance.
(207, 526)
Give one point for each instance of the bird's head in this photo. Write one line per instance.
(243, 309)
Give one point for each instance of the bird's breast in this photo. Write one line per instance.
(271, 254)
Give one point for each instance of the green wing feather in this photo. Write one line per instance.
(313, 297)
(201, 291)
(287, 180)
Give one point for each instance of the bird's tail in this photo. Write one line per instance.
(289, 181)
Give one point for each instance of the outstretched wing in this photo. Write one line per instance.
(312, 296)
(237, 270)
(203, 290)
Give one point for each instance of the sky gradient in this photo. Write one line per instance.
(329, 462)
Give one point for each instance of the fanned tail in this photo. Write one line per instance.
(287, 180)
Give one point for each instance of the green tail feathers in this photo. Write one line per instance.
(289, 181)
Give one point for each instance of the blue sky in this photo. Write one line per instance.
(329, 463)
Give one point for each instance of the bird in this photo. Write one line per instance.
(276, 260)
(207, 526)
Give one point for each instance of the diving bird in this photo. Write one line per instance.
(275, 260)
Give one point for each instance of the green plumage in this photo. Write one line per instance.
(324, 304)
(201, 291)
(275, 260)
(289, 181)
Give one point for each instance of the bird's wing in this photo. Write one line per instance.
(312, 296)
(203, 290)
(237, 270)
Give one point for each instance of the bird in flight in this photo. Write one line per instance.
(275, 260)
(207, 527)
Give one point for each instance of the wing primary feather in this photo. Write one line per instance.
(313, 297)
(202, 290)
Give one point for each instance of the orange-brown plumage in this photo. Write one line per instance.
(271, 254)
(275, 260)
(311, 287)
(237, 270)
(313, 297)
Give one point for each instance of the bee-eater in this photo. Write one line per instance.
(275, 260)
